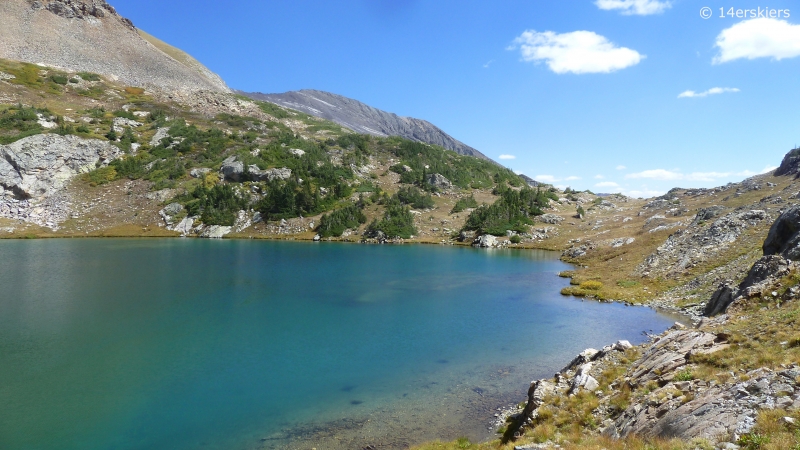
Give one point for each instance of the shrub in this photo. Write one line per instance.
(591, 285)
(216, 206)
(100, 176)
(88, 76)
(512, 211)
(414, 197)
(59, 79)
(463, 204)
(334, 224)
(397, 221)
(684, 375)
(515, 239)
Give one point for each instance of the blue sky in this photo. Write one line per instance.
(632, 96)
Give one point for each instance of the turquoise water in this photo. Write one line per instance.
(185, 344)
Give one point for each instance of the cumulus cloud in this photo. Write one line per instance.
(605, 184)
(643, 193)
(758, 38)
(637, 7)
(546, 178)
(576, 52)
(712, 91)
(671, 175)
(550, 179)
(507, 157)
(621, 167)
(598, 177)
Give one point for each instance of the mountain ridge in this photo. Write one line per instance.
(89, 35)
(362, 118)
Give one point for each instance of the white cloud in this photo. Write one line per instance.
(656, 174)
(712, 91)
(637, 7)
(572, 178)
(670, 175)
(643, 193)
(507, 157)
(486, 66)
(576, 52)
(546, 178)
(598, 177)
(758, 38)
(607, 184)
(768, 169)
(621, 167)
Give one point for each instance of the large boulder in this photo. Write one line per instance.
(38, 166)
(232, 169)
(784, 235)
(706, 214)
(438, 181)
(485, 241)
(720, 300)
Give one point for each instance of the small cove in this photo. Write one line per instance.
(185, 344)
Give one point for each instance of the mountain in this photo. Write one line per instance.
(89, 35)
(363, 118)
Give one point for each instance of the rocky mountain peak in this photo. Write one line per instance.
(76, 9)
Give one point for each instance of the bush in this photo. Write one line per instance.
(414, 197)
(88, 76)
(397, 221)
(100, 176)
(334, 224)
(59, 79)
(216, 206)
(463, 204)
(515, 239)
(512, 211)
(591, 285)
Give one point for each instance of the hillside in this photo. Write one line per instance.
(362, 118)
(91, 36)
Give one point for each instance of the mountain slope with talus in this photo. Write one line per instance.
(89, 35)
(365, 119)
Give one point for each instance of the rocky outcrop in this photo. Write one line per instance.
(699, 243)
(439, 181)
(715, 412)
(784, 235)
(362, 118)
(234, 170)
(790, 164)
(89, 35)
(551, 219)
(38, 166)
(485, 241)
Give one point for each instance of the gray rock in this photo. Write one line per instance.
(40, 165)
(216, 232)
(439, 181)
(706, 214)
(790, 164)
(317, 238)
(185, 226)
(199, 172)
(120, 123)
(161, 133)
(720, 300)
(784, 235)
(465, 235)
(257, 174)
(551, 219)
(232, 169)
(243, 221)
(485, 241)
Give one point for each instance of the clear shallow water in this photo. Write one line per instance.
(184, 344)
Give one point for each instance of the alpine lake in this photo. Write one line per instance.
(241, 344)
